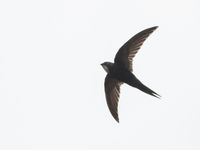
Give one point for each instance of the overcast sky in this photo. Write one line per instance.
(52, 84)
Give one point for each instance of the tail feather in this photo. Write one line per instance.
(134, 82)
(147, 90)
(139, 85)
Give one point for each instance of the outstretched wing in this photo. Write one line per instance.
(126, 53)
(112, 91)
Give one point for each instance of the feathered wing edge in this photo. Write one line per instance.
(128, 51)
(112, 91)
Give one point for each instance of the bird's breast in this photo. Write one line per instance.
(122, 74)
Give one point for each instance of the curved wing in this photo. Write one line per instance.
(126, 53)
(112, 91)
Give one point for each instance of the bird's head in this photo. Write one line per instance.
(107, 66)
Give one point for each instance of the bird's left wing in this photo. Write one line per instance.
(112, 91)
(126, 53)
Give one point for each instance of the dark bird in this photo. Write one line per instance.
(120, 71)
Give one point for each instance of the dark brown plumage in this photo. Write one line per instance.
(120, 71)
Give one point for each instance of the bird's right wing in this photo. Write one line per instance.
(112, 91)
(126, 53)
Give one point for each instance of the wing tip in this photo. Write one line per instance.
(155, 27)
(117, 119)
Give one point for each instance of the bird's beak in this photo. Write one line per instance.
(102, 64)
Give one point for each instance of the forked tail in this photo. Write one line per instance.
(147, 90)
(139, 85)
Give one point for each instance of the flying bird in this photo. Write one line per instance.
(120, 71)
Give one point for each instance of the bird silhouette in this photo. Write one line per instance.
(120, 71)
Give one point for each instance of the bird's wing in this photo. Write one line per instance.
(126, 53)
(112, 91)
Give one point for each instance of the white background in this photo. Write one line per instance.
(52, 84)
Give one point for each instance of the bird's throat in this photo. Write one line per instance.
(106, 68)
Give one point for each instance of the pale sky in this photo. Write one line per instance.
(52, 85)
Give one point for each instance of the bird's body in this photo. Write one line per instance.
(120, 71)
(123, 75)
